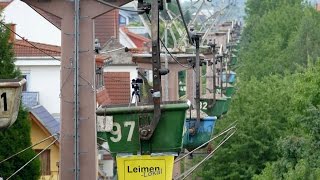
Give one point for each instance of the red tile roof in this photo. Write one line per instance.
(100, 58)
(4, 4)
(102, 97)
(137, 39)
(22, 48)
(107, 26)
(117, 85)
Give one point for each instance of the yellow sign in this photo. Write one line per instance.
(145, 167)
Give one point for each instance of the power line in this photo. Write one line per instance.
(27, 41)
(169, 51)
(32, 159)
(184, 21)
(57, 134)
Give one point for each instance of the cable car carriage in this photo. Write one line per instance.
(10, 93)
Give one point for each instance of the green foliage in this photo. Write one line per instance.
(277, 133)
(7, 67)
(261, 7)
(272, 43)
(13, 140)
(17, 137)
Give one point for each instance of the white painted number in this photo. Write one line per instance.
(131, 124)
(203, 105)
(116, 131)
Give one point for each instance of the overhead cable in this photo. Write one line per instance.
(29, 147)
(184, 21)
(204, 144)
(170, 52)
(32, 159)
(228, 136)
(3, 24)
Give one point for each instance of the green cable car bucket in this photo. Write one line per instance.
(123, 137)
(227, 105)
(211, 107)
(203, 133)
(234, 60)
(229, 90)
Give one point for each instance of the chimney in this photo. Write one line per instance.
(12, 37)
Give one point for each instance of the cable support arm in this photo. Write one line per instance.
(146, 130)
(120, 8)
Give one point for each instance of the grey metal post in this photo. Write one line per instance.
(76, 88)
(166, 81)
(197, 41)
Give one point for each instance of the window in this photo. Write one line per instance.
(122, 20)
(44, 161)
(99, 77)
(182, 89)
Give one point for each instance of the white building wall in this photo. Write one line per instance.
(44, 77)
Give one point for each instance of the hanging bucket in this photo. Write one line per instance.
(213, 108)
(10, 95)
(229, 90)
(202, 135)
(231, 77)
(234, 60)
(124, 135)
(227, 105)
(235, 51)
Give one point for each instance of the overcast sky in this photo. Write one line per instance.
(30, 24)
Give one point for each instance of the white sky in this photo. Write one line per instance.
(31, 25)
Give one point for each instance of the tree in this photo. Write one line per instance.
(7, 67)
(277, 105)
(17, 137)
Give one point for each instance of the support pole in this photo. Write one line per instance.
(76, 88)
(166, 64)
(166, 81)
(196, 39)
(78, 141)
(147, 130)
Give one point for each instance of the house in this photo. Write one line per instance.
(41, 71)
(43, 125)
(318, 6)
(118, 73)
(132, 40)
